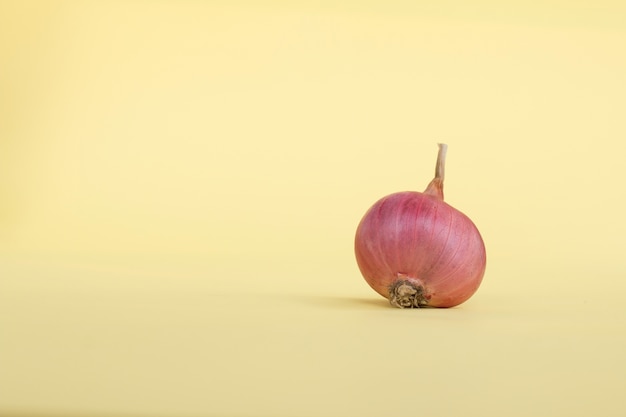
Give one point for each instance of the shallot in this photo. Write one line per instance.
(416, 250)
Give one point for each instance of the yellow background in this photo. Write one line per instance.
(180, 182)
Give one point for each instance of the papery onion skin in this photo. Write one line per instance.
(416, 250)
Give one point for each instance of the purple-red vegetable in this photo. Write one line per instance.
(416, 250)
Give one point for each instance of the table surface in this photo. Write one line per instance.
(180, 183)
(90, 339)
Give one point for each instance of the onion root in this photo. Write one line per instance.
(406, 294)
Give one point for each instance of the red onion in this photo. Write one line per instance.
(416, 250)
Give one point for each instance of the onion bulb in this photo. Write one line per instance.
(416, 250)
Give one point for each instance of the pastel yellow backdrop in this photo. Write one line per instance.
(181, 181)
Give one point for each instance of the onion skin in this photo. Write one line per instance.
(416, 250)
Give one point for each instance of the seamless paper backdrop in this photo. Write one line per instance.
(181, 181)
